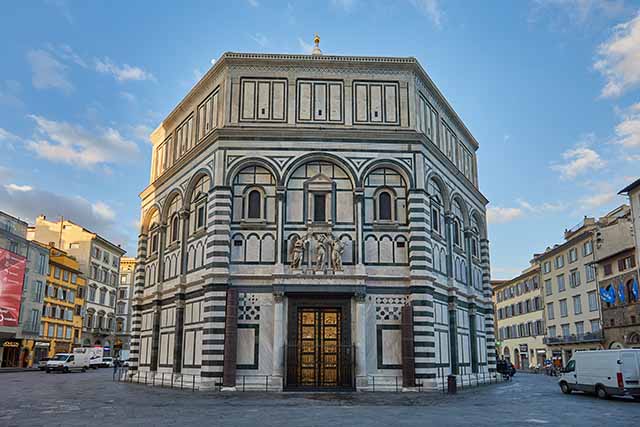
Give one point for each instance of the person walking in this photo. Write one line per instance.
(116, 365)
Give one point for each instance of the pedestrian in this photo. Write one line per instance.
(116, 364)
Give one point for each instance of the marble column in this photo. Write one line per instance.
(473, 338)
(278, 338)
(361, 340)
(359, 247)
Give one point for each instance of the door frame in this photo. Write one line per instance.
(342, 302)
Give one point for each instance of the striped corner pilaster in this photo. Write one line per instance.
(423, 336)
(136, 309)
(420, 257)
(217, 259)
(486, 291)
(215, 298)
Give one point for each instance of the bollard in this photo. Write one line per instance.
(181, 382)
(243, 383)
(266, 383)
(374, 382)
(193, 387)
(452, 385)
(396, 384)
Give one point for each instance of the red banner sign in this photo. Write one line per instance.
(12, 268)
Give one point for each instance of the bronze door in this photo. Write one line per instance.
(318, 347)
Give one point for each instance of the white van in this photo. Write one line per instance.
(603, 372)
(67, 362)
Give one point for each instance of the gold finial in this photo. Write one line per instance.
(316, 48)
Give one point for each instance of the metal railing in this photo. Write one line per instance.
(575, 338)
(188, 381)
(158, 379)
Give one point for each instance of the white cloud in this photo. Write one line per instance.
(345, 5)
(30, 204)
(542, 208)
(579, 160)
(142, 132)
(619, 59)
(128, 96)
(259, 38)
(66, 53)
(306, 48)
(597, 200)
(104, 211)
(67, 143)
(9, 94)
(122, 72)
(628, 130)
(431, 9)
(63, 8)
(500, 215)
(253, 3)
(581, 11)
(5, 135)
(5, 173)
(15, 187)
(47, 72)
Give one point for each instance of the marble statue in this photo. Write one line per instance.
(298, 252)
(337, 249)
(321, 252)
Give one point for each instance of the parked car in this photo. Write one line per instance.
(603, 372)
(107, 362)
(42, 363)
(67, 362)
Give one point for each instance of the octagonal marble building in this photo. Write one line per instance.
(313, 222)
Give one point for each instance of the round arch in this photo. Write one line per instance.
(391, 164)
(321, 156)
(192, 183)
(456, 197)
(149, 213)
(176, 192)
(482, 225)
(442, 186)
(251, 161)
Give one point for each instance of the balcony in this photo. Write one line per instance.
(590, 337)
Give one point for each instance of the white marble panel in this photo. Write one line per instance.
(391, 347)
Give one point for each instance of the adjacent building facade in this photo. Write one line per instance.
(568, 279)
(99, 262)
(315, 220)
(520, 319)
(123, 307)
(23, 272)
(62, 311)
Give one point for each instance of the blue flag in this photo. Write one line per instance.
(634, 289)
(605, 295)
(621, 292)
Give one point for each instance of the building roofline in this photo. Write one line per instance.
(632, 186)
(231, 57)
(95, 235)
(14, 217)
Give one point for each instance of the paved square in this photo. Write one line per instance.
(93, 399)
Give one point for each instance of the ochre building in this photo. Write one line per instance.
(313, 222)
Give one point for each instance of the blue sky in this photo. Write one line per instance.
(550, 88)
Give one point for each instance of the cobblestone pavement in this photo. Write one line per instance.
(92, 398)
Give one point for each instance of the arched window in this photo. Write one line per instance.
(254, 205)
(437, 208)
(385, 211)
(174, 219)
(154, 229)
(175, 228)
(457, 224)
(198, 206)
